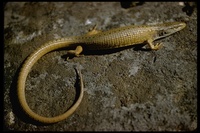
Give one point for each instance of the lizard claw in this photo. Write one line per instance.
(157, 46)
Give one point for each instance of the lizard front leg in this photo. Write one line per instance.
(152, 46)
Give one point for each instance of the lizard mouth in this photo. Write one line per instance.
(180, 26)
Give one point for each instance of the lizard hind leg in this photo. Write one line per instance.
(93, 31)
(75, 53)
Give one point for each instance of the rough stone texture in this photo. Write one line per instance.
(129, 90)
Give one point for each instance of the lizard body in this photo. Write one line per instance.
(94, 40)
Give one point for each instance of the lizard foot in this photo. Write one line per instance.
(157, 46)
(152, 46)
(74, 53)
(93, 31)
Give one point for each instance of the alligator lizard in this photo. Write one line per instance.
(94, 40)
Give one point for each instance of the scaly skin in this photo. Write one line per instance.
(96, 40)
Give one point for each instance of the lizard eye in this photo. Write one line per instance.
(162, 33)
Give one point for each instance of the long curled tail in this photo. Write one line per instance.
(30, 61)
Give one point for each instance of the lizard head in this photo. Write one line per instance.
(169, 28)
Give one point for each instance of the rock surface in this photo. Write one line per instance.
(129, 90)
